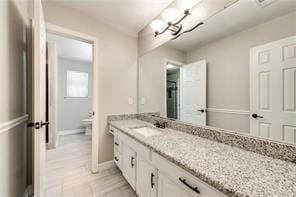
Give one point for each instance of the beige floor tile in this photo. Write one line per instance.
(114, 193)
(54, 191)
(78, 190)
(127, 191)
(68, 172)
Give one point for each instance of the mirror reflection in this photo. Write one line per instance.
(237, 72)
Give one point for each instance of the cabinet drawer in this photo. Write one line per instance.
(183, 179)
(117, 144)
(118, 159)
(136, 146)
(113, 130)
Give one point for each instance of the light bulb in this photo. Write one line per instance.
(170, 14)
(157, 25)
(188, 4)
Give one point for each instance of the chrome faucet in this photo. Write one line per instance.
(160, 124)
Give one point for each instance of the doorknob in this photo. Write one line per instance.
(256, 116)
(44, 123)
(201, 110)
(36, 125)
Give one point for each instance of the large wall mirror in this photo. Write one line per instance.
(236, 72)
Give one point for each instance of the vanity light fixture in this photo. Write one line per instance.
(170, 17)
(157, 25)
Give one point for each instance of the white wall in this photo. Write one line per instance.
(152, 77)
(72, 110)
(13, 51)
(117, 56)
(228, 69)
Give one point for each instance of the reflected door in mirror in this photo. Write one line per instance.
(193, 93)
(273, 90)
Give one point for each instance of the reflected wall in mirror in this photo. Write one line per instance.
(237, 72)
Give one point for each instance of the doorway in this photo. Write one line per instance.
(172, 73)
(185, 91)
(74, 90)
(69, 82)
(69, 88)
(173, 90)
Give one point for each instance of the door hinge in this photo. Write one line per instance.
(36, 125)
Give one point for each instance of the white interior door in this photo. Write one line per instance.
(39, 50)
(193, 93)
(273, 90)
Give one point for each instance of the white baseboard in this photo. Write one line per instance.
(106, 165)
(69, 132)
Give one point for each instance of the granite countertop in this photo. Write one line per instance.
(231, 170)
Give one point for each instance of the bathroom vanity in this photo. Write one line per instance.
(169, 162)
(149, 173)
(225, 87)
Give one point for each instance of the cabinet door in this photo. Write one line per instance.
(166, 188)
(146, 178)
(129, 165)
(117, 159)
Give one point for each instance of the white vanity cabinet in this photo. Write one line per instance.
(152, 175)
(129, 165)
(166, 187)
(117, 147)
(146, 178)
(174, 181)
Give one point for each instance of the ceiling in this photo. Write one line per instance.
(242, 15)
(70, 48)
(129, 16)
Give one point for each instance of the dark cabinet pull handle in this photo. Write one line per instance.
(191, 187)
(116, 159)
(202, 110)
(151, 180)
(116, 144)
(256, 116)
(111, 130)
(132, 162)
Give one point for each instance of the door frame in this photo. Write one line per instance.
(52, 94)
(165, 62)
(51, 28)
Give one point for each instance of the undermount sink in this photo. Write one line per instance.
(147, 131)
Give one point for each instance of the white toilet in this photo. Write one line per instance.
(87, 123)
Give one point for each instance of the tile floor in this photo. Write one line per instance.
(68, 172)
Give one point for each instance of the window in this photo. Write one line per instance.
(77, 84)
